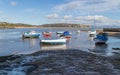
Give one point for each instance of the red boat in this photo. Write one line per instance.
(47, 34)
(67, 37)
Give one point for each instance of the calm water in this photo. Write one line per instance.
(11, 43)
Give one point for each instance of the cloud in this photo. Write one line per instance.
(98, 19)
(13, 3)
(50, 16)
(67, 16)
(88, 6)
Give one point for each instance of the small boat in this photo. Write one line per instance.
(64, 32)
(53, 41)
(92, 33)
(101, 38)
(66, 35)
(47, 34)
(59, 32)
(78, 31)
(30, 34)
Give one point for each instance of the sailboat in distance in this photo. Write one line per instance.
(92, 32)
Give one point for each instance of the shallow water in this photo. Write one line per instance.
(11, 43)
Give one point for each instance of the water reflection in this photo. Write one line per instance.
(100, 48)
(91, 38)
(32, 42)
(53, 47)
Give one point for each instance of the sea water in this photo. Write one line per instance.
(12, 43)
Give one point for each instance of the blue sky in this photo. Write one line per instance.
(38, 12)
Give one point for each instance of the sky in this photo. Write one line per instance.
(37, 12)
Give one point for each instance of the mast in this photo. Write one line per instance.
(94, 23)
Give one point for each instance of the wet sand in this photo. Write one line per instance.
(61, 62)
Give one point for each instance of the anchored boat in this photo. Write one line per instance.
(53, 41)
(66, 35)
(92, 33)
(47, 34)
(101, 38)
(30, 34)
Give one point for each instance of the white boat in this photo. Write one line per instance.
(78, 31)
(59, 32)
(92, 33)
(30, 34)
(53, 41)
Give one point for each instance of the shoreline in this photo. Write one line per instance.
(64, 62)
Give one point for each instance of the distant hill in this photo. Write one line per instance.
(65, 25)
(20, 25)
(14, 25)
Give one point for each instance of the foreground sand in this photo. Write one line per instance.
(62, 62)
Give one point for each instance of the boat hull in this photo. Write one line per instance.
(53, 42)
(67, 37)
(30, 35)
(98, 41)
(92, 33)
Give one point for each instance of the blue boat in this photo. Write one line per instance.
(66, 34)
(101, 38)
(30, 34)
